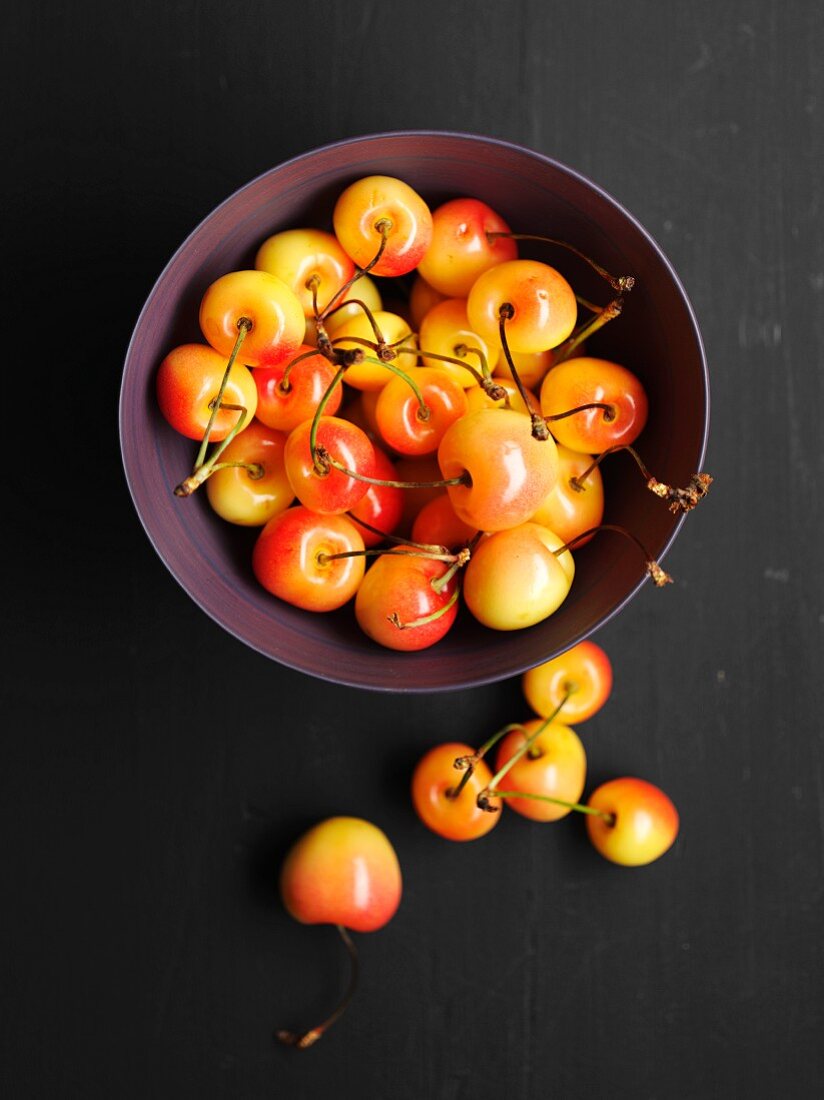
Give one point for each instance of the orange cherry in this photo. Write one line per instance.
(531, 366)
(251, 497)
(189, 379)
(374, 376)
(375, 201)
(422, 297)
(543, 304)
(298, 256)
(434, 783)
(445, 330)
(410, 429)
(584, 380)
(461, 250)
(330, 491)
(437, 525)
(555, 766)
(284, 405)
(641, 825)
(276, 316)
(381, 506)
(584, 671)
(570, 508)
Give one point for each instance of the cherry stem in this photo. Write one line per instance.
(539, 428)
(466, 349)
(680, 500)
(659, 577)
(195, 480)
(313, 431)
(394, 538)
(483, 797)
(445, 359)
(325, 457)
(284, 384)
(587, 304)
(384, 227)
(432, 617)
(244, 325)
(622, 284)
(304, 1039)
(469, 763)
(603, 316)
(579, 806)
(439, 583)
(369, 316)
(424, 410)
(431, 555)
(609, 411)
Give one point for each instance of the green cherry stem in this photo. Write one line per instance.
(659, 577)
(313, 431)
(608, 313)
(468, 763)
(439, 583)
(622, 283)
(303, 1039)
(324, 457)
(384, 227)
(539, 429)
(244, 325)
(376, 552)
(204, 471)
(424, 412)
(579, 806)
(432, 617)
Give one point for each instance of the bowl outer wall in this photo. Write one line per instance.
(657, 337)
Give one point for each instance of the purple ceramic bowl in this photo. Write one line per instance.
(657, 337)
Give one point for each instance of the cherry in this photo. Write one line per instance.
(582, 674)
(249, 485)
(414, 423)
(447, 812)
(531, 366)
(319, 485)
(517, 578)
(380, 209)
(189, 380)
(635, 823)
(290, 393)
(406, 601)
(508, 471)
(436, 524)
(583, 381)
(381, 506)
(573, 506)
(311, 263)
(265, 304)
(422, 297)
(462, 248)
(446, 331)
(344, 872)
(362, 293)
(553, 766)
(294, 559)
(541, 305)
(373, 373)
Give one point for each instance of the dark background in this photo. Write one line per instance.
(154, 770)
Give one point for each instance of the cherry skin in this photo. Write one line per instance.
(285, 406)
(515, 580)
(398, 589)
(445, 330)
(342, 871)
(291, 559)
(374, 376)
(544, 305)
(381, 506)
(375, 199)
(422, 297)
(583, 380)
(189, 378)
(364, 290)
(531, 366)
(333, 491)
(555, 766)
(298, 256)
(424, 469)
(510, 471)
(404, 425)
(461, 250)
(267, 302)
(435, 777)
(244, 497)
(644, 822)
(584, 670)
(437, 525)
(570, 509)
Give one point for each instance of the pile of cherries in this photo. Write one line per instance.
(345, 872)
(444, 465)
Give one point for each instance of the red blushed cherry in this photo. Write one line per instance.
(584, 672)
(461, 250)
(189, 379)
(298, 256)
(330, 491)
(555, 766)
(582, 381)
(434, 785)
(437, 525)
(276, 319)
(571, 508)
(284, 405)
(509, 472)
(410, 429)
(343, 872)
(252, 486)
(382, 505)
(641, 823)
(397, 605)
(378, 203)
(293, 559)
(544, 309)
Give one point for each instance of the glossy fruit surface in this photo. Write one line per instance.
(555, 766)
(460, 250)
(277, 319)
(297, 256)
(242, 497)
(543, 304)
(371, 200)
(342, 871)
(584, 670)
(364, 290)
(645, 821)
(189, 379)
(397, 593)
(404, 425)
(454, 818)
(381, 506)
(570, 508)
(445, 330)
(583, 380)
(437, 523)
(393, 328)
(332, 491)
(284, 405)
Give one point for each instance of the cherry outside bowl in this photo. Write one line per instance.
(657, 337)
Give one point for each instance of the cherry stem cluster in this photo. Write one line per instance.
(679, 500)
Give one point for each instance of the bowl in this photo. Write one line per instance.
(657, 337)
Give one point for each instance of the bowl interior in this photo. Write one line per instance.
(656, 337)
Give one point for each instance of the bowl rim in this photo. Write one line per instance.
(463, 136)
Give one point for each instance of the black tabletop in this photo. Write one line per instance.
(154, 770)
